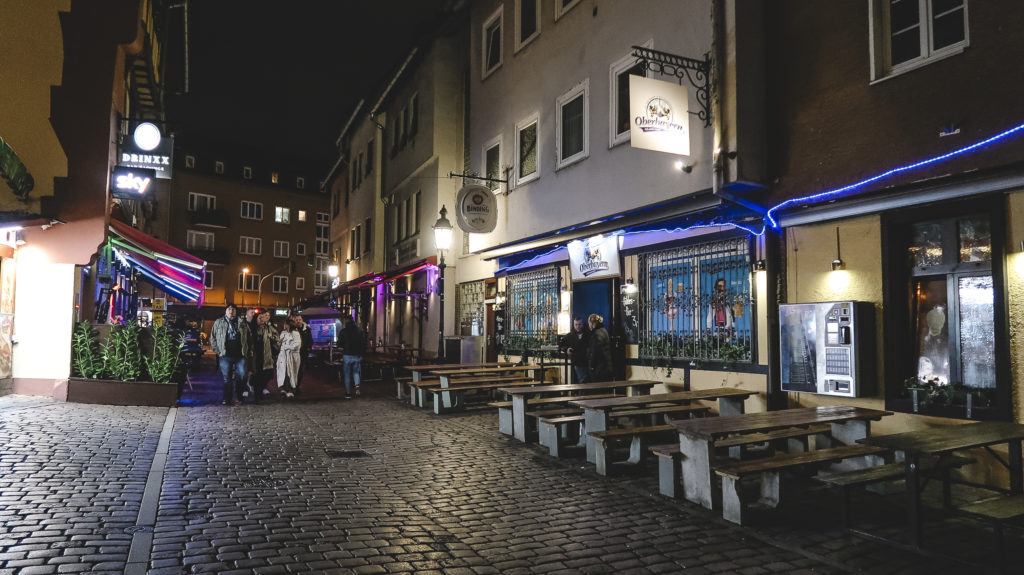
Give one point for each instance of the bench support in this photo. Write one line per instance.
(668, 474)
(696, 470)
(519, 417)
(593, 420)
(505, 420)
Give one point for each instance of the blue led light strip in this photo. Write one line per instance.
(908, 167)
(750, 231)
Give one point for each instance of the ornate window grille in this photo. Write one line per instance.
(532, 309)
(684, 311)
(470, 306)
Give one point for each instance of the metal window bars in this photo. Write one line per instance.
(696, 303)
(532, 304)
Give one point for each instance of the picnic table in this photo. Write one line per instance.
(418, 371)
(595, 411)
(521, 397)
(482, 375)
(943, 441)
(697, 437)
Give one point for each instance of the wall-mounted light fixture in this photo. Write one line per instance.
(760, 266)
(683, 166)
(837, 264)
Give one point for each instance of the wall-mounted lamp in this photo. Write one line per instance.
(837, 264)
(332, 270)
(760, 266)
(683, 166)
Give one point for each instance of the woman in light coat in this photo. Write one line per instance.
(288, 360)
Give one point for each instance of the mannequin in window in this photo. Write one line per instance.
(720, 317)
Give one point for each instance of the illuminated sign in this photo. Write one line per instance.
(159, 159)
(476, 209)
(594, 258)
(659, 116)
(131, 183)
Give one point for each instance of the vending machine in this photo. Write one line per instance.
(828, 348)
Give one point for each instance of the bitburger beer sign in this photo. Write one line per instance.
(477, 209)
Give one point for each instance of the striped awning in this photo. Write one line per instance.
(171, 269)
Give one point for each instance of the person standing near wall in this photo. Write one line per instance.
(230, 341)
(577, 346)
(600, 355)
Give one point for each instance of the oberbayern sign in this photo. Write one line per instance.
(594, 258)
(659, 117)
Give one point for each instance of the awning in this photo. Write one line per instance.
(161, 264)
(368, 281)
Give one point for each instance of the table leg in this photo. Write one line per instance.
(913, 499)
(696, 470)
(632, 390)
(1016, 468)
(730, 405)
(519, 417)
(593, 420)
(446, 397)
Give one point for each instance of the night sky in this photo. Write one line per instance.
(283, 78)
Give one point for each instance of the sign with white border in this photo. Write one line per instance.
(659, 116)
(476, 209)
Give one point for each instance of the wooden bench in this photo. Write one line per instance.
(505, 420)
(669, 468)
(552, 429)
(417, 393)
(996, 512)
(638, 436)
(458, 390)
(400, 383)
(732, 471)
(844, 480)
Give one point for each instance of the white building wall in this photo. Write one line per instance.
(44, 319)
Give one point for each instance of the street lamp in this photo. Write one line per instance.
(442, 241)
(244, 272)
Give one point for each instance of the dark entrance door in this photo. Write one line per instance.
(597, 296)
(491, 348)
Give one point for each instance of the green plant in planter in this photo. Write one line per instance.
(86, 357)
(931, 392)
(166, 359)
(659, 351)
(122, 354)
(730, 353)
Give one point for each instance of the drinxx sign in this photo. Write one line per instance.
(659, 117)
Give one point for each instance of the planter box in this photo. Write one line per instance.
(108, 392)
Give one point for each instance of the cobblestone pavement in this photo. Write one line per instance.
(278, 488)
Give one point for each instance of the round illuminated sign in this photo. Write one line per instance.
(147, 136)
(476, 209)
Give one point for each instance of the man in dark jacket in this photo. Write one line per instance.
(600, 350)
(353, 345)
(577, 345)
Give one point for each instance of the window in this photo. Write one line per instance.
(531, 307)
(619, 73)
(413, 118)
(281, 249)
(491, 43)
(190, 161)
(357, 235)
(300, 183)
(252, 210)
(248, 282)
(201, 202)
(492, 163)
(280, 284)
(699, 302)
(282, 215)
(300, 249)
(302, 215)
(300, 284)
(367, 236)
(369, 157)
(247, 172)
(400, 220)
(208, 279)
(403, 125)
(394, 136)
(218, 167)
(946, 305)
(250, 246)
(323, 234)
(571, 120)
(320, 277)
(527, 22)
(563, 6)
(199, 241)
(273, 177)
(527, 168)
(908, 34)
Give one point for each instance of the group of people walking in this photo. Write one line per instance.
(251, 349)
(589, 348)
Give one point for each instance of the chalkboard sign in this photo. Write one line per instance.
(499, 328)
(628, 295)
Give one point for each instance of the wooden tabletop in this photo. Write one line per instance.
(454, 366)
(570, 387)
(712, 427)
(677, 396)
(486, 370)
(939, 440)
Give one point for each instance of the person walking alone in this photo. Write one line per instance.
(600, 350)
(288, 360)
(229, 339)
(577, 346)
(353, 346)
